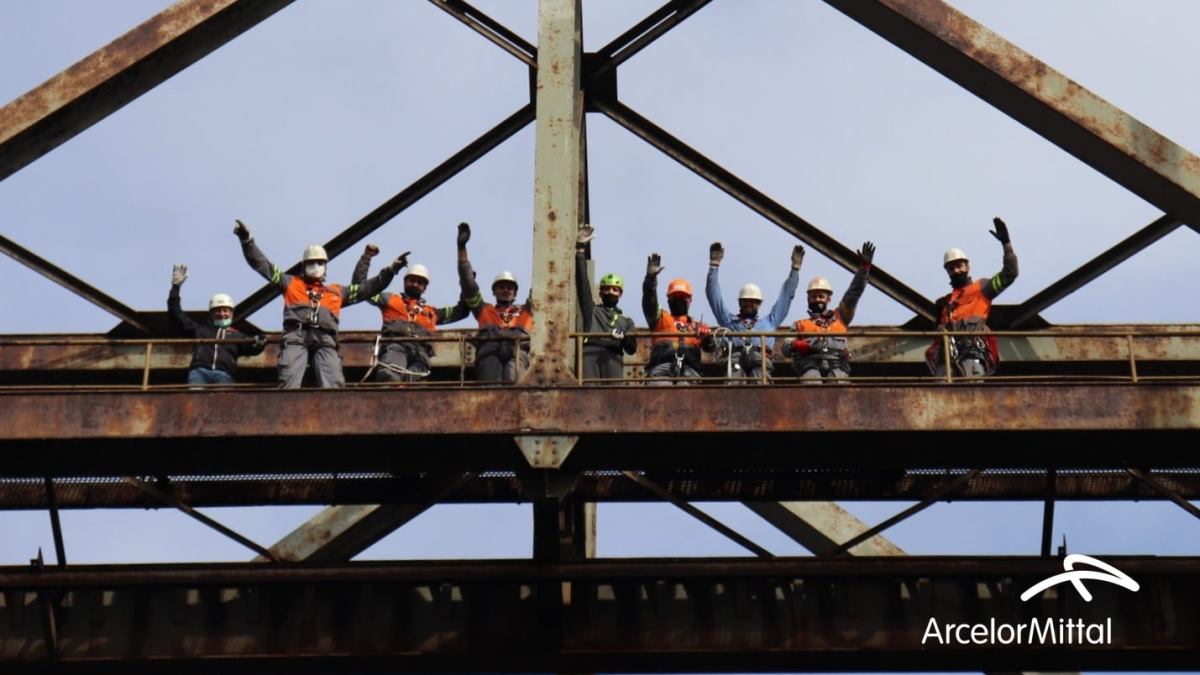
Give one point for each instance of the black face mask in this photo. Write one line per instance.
(961, 279)
(414, 293)
(816, 307)
(609, 301)
(678, 306)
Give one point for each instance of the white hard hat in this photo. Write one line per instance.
(820, 284)
(952, 255)
(505, 276)
(750, 292)
(418, 271)
(220, 300)
(315, 252)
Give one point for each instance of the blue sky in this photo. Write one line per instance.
(316, 116)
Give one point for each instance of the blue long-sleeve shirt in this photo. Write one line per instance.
(737, 324)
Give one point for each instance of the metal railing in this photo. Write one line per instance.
(1128, 352)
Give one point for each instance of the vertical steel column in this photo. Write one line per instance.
(557, 200)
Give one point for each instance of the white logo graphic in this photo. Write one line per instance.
(1111, 574)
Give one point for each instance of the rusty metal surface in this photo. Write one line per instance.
(557, 191)
(789, 614)
(751, 487)
(112, 76)
(225, 431)
(1018, 84)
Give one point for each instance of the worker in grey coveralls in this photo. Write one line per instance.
(310, 311)
(602, 356)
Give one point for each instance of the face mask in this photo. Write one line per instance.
(678, 306)
(314, 270)
(414, 293)
(609, 301)
(222, 323)
(816, 307)
(961, 279)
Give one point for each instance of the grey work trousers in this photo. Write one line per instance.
(663, 375)
(405, 356)
(970, 368)
(310, 344)
(602, 363)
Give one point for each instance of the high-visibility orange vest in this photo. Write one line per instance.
(401, 308)
(296, 296)
(684, 325)
(965, 303)
(510, 317)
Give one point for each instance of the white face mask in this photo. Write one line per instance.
(314, 270)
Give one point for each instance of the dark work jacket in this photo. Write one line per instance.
(214, 356)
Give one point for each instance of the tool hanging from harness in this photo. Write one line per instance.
(314, 306)
(981, 347)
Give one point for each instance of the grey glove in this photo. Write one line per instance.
(867, 254)
(654, 265)
(464, 235)
(400, 262)
(585, 234)
(242, 232)
(715, 254)
(260, 341)
(371, 251)
(797, 256)
(1001, 231)
(178, 275)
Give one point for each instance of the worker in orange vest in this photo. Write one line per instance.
(406, 315)
(311, 310)
(828, 356)
(503, 324)
(673, 359)
(966, 309)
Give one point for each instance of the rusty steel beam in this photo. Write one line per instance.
(1018, 84)
(728, 532)
(783, 614)
(760, 203)
(1126, 249)
(1090, 426)
(112, 76)
(557, 191)
(169, 500)
(754, 488)
(404, 199)
(489, 28)
(70, 282)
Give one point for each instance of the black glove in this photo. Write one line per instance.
(260, 341)
(464, 235)
(654, 265)
(371, 251)
(867, 254)
(797, 256)
(1001, 231)
(242, 232)
(400, 262)
(716, 253)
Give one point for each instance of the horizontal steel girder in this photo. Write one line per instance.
(731, 615)
(709, 427)
(508, 487)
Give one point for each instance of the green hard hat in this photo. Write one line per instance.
(612, 280)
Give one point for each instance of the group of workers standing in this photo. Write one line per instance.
(312, 309)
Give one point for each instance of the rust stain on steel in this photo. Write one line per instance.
(1067, 97)
(782, 409)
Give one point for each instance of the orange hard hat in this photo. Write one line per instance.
(679, 287)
